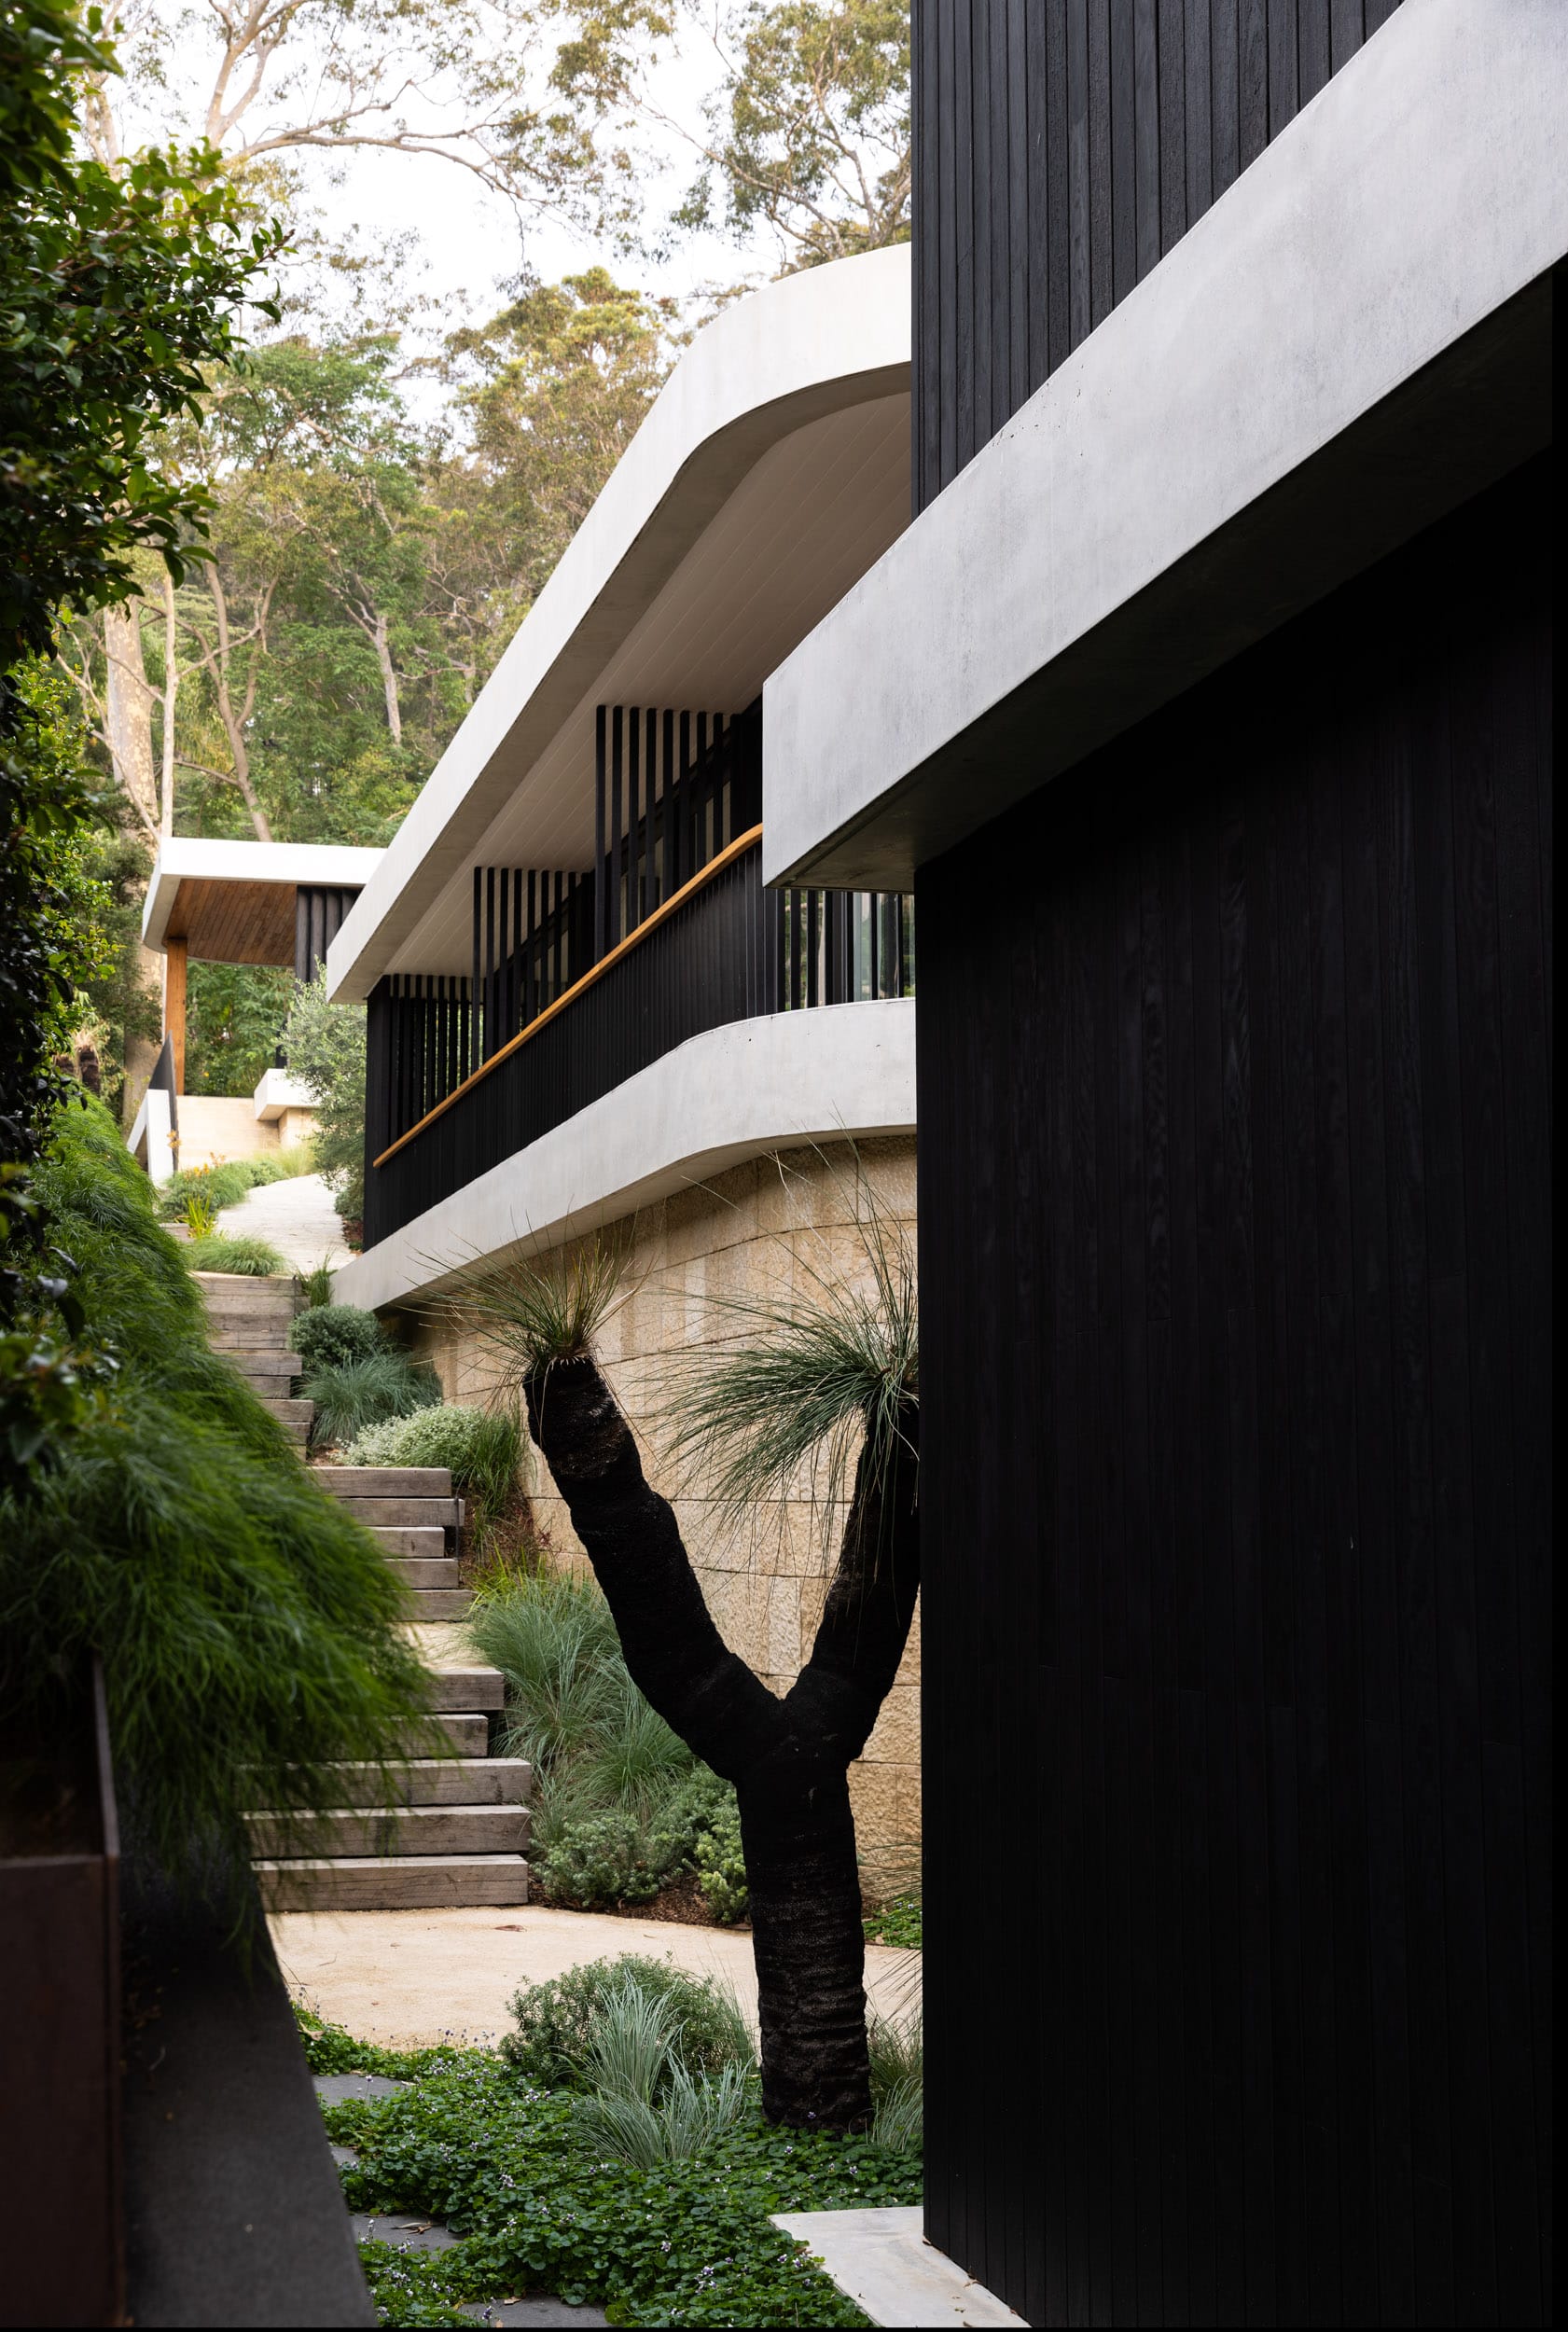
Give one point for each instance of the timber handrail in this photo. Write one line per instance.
(726, 857)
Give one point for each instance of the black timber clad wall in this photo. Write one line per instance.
(1235, 1262)
(1060, 148)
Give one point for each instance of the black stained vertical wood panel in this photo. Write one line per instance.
(1060, 148)
(1235, 1254)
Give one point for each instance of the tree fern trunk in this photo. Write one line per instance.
(788, 1759)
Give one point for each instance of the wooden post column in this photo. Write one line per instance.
(173, 1004)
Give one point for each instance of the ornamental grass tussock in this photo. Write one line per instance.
(520, 2176)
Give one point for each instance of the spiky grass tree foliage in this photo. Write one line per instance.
(834, 1373)
(247, 1626)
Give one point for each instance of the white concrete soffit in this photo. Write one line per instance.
(775, 1082)
(815, 344)
(190, 858)
(1112, 544)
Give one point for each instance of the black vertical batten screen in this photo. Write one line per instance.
(1235, 1266)
(318, 917)
(1060, 147)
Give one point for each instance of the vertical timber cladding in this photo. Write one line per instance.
(1235, 1254)
(1060, 148)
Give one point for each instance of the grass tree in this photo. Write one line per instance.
(827, 1383)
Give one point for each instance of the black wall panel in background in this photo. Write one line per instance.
(1235, 1257)
(1060, 148)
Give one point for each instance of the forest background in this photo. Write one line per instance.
(393, 470)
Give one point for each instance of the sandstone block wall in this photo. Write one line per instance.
(763, 1233)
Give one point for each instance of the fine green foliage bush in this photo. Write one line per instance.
(360, 1392)
(897, 2051)
(247, 1626)
(643, 2103)
(252, 1259)
(482, 1448)
(537, 2203)
(558, 2021)
(620, 1805)
(316, 1284)
(330, 1335)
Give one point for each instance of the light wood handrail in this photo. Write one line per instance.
(726, 857)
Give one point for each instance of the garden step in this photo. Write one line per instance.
(427, 1542)
(396, 1883)
(440, 1781)
(384, 1481)
(424, 1571)
(429, 1511)
(401, 1831)
(468, 1735)
(467, 1689)
(245, 1288)
(249, 1335)
(262, 1359)
(299, 1434)
(440, 1602)
(288, 1411)
(270, 1388)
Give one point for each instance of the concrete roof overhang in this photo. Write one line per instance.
(1354, 339)
(771, 472)
(234, 902)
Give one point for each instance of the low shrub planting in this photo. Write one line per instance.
(252, 1259)
(559, 2021)
(356, 1372)
(483, 1448)
(621, 1807)
(247, 1626)
(549, 2191)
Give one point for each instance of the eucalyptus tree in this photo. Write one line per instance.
(830, 1380)
(804, 134)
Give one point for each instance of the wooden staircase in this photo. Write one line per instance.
(458, 1831)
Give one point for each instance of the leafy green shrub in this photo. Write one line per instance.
(557, 2022)
(252, 1259)
(317, 1286)
(609, 1857)
(200, 1216)
(360, 1392)
(721, 1864)
(481, 1448)
(247, 1625)
(332, 1335)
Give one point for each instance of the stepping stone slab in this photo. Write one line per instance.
(441, 1602)
(443, 1513)
(467, 1688)
(424, 1573)
(426, 1540)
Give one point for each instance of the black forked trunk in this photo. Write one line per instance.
(788, 1759)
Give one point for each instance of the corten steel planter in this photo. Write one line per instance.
(60, 2130)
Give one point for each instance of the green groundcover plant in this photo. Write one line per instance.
(356, 1372)
(247, 1258)
(226, 1183)
(482, 1448)
(518, 2172)
(246, 1624)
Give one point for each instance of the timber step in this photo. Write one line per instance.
(456, 1832)
(424, 1570)
(440, 1604)
(466, 1781)
(395, 1882)
(418, 1541)
(401, 1831)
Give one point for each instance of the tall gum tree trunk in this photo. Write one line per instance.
(128, 703)
(788, 1759)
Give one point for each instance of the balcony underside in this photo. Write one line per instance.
(771, 1083)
